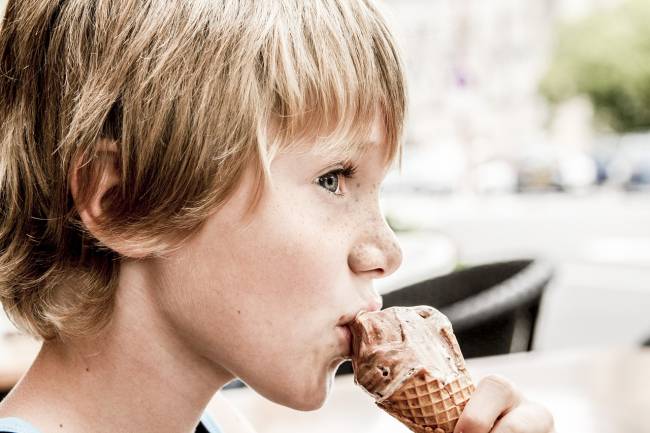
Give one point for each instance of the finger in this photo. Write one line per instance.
(526, 418)
(493, 397)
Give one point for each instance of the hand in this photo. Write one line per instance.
(498, 407)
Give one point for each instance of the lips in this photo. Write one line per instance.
(348, 318)
(344, 322)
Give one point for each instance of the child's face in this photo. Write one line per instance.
(264, 298)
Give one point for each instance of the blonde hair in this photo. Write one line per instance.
(190, 92)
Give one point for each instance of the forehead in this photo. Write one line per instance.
(352, 143)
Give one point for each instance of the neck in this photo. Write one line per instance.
(138, 375)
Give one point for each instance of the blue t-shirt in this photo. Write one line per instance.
(17, 425)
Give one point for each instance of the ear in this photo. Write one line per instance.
(106, 177)
(91, 210)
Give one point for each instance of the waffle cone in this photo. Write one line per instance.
(427, 405)
(408, 359)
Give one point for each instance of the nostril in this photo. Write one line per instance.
(371, 260)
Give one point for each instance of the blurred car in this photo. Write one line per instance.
(640, 177)
(629, 164)
(553, 170)
(578, 171)
(538, 173)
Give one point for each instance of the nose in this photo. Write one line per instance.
(377, 253)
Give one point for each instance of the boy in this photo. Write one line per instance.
(189, 194)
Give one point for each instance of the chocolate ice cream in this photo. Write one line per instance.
(408, 359)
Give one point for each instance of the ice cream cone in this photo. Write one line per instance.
(410, 361)
(425, 404)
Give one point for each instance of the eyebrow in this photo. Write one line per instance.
(356, 151)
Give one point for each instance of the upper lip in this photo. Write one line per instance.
(346, 319)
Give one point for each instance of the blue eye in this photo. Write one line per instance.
(332, 181)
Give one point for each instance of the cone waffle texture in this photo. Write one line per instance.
(425, 404)
(409, 360)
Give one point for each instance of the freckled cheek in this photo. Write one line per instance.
(299, 269)
(290, 255)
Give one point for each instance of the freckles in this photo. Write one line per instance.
(382, 237)
(360, 253)
(381, 240)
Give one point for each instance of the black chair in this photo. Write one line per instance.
(493, 307)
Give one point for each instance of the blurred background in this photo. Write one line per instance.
(528, 139)
(526, 174)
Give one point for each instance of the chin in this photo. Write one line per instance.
(310, 398)
(311, 402)
(303, 391)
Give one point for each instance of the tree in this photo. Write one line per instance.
(606, 56)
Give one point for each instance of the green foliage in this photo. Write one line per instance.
(606, 57)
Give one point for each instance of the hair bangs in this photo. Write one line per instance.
(329, 75)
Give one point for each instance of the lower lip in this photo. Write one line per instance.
(345, 336)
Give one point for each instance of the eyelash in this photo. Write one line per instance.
(347, 171)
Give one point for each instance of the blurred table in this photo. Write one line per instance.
(595, 391)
